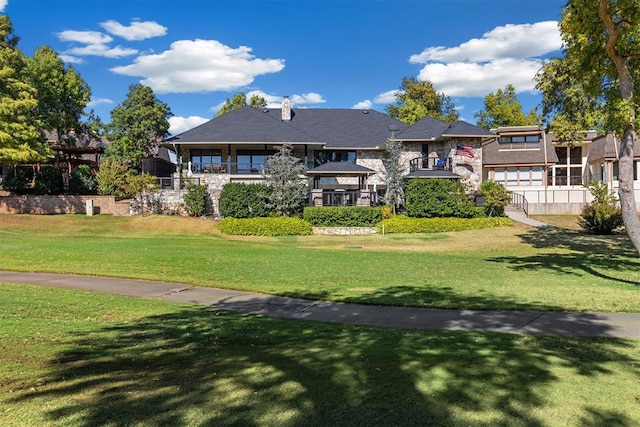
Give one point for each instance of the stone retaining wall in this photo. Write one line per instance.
(344, 231)
(46, 205)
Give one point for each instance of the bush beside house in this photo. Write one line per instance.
(430, 198)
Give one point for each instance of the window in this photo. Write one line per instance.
(322, 157)
(203, 160)
(252, 161)
(519, 176)
(519, 142)
(569, 168)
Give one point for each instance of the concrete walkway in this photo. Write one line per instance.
(519, 216)
(618, 325)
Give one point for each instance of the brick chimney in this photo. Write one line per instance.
(286, 109)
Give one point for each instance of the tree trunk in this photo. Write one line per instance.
(625, 189)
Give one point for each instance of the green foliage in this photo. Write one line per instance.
(348, 216)
(111, 178)
(503, 109)
(239, 200)
(140, 183)
(48, 180)
(496, 198)
(137, 126)
(417, 99)
(288, 192)
(394, 178)
(403, 224)
(21, 139)
(274, 226)
(62, 93)
(428, 198)
(602, 216)
(16, 181)
(195, 201)
(81, 181)
(239, 100)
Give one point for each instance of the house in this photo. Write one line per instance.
(342, 149)
(546, 176)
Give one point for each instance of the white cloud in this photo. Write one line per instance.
(69, 59)
(85, 37)
(363, 105)
(507, 54)
(471, 79)
(388, 97)
(178, 125)
(509, 41)
(137, 30)
(95, 44)
(307, 98)
(99, 101)
(3, 4)
(101, 50)
(199, 66)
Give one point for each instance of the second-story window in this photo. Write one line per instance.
(322, 157)
(519, 142)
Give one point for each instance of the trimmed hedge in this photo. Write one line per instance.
(403, 224)
(240, 200)
(276, 226)
(435, 198)
(48, 180)
(348, 216)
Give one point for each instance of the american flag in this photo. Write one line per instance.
(464, 151)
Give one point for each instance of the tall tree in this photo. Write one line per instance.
(137, 126)
(502, 108)
(21, 139)
(594, 83)
(239, 100)
(282, 175)
(62, 94)
(417, 99)
(393, 180)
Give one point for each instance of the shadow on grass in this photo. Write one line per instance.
(607, 257)
(203, 366)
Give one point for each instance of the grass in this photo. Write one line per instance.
(505, 268)
(74, 358)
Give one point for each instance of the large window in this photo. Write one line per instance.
(519, 176)
(252, 161)
(205, 160)
(519, 142)
(568, 171)
(322, 157)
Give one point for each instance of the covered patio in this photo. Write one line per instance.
(341, 184)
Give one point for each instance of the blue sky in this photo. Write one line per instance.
(322, 53)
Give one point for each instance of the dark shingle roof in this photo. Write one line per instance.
(608, 147)
(460, 128)
(337, 128)
(429, 128)
(340, 167)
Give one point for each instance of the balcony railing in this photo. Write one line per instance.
(429, 163)
(226, 168)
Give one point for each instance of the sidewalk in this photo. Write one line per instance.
(613, 325)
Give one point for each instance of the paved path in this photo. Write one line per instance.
(519, 216)
(619, 325)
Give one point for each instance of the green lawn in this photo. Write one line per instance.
(75, 358)
(505, 268)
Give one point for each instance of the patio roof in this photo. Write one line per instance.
(340, 168)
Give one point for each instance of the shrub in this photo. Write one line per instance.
(403, 224)
(239, 200)
(48, 180)
(195, 201)
(275, 226)
(429, 198)
(81, 181)
(16, 181)
(496, 198)
(602, 216)
(349, 216)
(112, 178)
